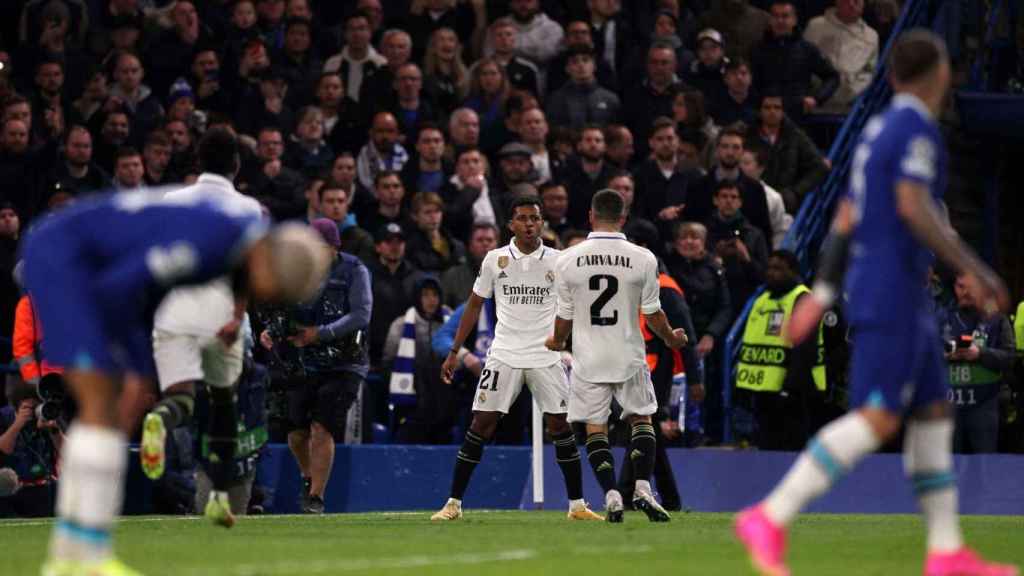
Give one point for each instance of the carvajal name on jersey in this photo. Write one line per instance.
(530, 295)
(603, 260)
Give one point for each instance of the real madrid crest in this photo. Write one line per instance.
(483, 397)
(550, 276)
(502, 261)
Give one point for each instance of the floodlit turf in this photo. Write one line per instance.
(489, 543)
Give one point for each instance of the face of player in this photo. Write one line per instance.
(129, 171)
(430, 145)
(556, 203)
(690, 245)
(728, 202)
(483, 241)
(729, 150)
(428, 218)
(390, 191)
(526, 224)
(334, 204)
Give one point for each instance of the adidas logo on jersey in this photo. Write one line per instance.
(502, 275)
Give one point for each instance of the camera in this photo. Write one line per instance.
(962, 343)
(56, 404)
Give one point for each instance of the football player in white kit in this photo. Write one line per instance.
(602, 282)
(521, 279)
(196, 340)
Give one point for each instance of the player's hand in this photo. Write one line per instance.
(472, 363)
(678, 339)
(228, 333)
(266, 341)
(669, 429)
(554, 345)
(705, 345)
(305, 336)
(806, 317)
(697, 393)
(451, 364)
(988, 290)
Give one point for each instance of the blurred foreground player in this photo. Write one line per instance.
(96, 273)
(888, 226)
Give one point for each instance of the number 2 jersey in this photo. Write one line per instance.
(523, 288)
(887, 275)
(602, 284)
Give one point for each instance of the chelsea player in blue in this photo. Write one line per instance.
(886, 230)
(96, 273)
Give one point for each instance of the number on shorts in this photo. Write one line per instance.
(485, 376)
(609, 291)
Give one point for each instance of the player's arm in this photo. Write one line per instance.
(566, 309)
(658, 323)
(917, 209)
(557, 340)
(835, 252)
(470, 316)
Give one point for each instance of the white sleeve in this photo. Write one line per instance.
(651, 298)
(484, 284)
(566, 306)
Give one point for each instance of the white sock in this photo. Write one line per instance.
(829, 455)
(642, 487)
(90, 492)
(928, 462)
(577, 504)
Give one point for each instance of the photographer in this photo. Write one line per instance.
(740, 248)
(979, 352)
(30, 448)
(328, 332)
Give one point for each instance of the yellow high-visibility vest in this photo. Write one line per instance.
(764, 354)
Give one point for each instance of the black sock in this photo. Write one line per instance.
(599, 454)
(175, 409)
(469, 456)
(568, 458)
(223, 437)
(641, 450)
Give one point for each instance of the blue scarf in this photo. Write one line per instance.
(402, 386)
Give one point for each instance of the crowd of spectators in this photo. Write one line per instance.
(412, 124)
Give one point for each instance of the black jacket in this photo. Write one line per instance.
(392, 296)
(699, 206)
(743, 278)
(458, 212)
(640, 106)
(654, 192)
(703, 283)
(581, 188)
(795, 166)
(789, 63)
(421, 253)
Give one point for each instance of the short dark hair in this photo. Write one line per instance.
(218, 152)
(530, 200)
(736, 63)
(385, 174)
(428, 125)
(572, 234)
(331, 184)
(915, 54)
(660, 123)
(760, 152)
(551, 185)
(125, 152)
(484, 226)
(789, 258)
(608, 206)
(737, 129)
(727, 184)
(157, 138)
(613, 134)
(75, 128)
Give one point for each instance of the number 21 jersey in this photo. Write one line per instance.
(604, 283)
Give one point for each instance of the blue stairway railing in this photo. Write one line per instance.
(812, 221)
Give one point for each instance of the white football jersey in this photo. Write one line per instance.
(202, 310)
(523, 288)
(604, 283)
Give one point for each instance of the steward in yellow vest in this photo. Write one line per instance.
(782, 378)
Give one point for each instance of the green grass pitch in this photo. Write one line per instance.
(490, 543)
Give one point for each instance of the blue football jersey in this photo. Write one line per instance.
(887, 275)
(141, 245)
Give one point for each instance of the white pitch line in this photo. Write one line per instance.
(366, 564)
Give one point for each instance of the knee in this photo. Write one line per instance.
(484, 424)
(320, 433)
(884, 424)
(557, 424)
